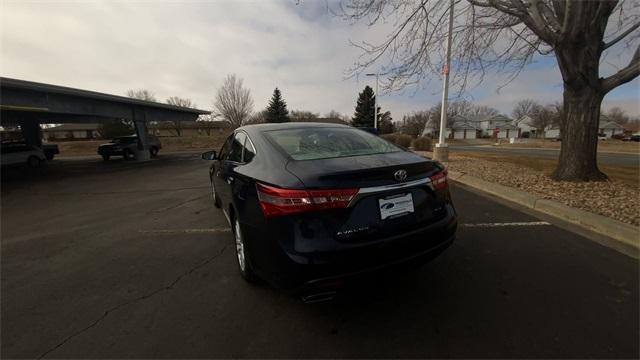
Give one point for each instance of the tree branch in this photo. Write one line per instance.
(622, 36)
(630, 72)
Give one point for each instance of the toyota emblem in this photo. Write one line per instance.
(400, 175)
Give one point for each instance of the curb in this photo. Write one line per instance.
(626, 236)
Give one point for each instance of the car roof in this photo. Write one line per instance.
(289, 125)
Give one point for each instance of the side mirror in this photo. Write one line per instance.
(209, 155)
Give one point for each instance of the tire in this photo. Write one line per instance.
(153, 151)
(244, 263)
(214, 195)
(128, 154)
(106, 157)
(34, 162)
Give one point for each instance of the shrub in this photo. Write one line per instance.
(422, 143)
(398, 139)
(389, 137)
(404, 140)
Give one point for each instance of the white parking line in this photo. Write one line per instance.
(184, 231)
(530, 223)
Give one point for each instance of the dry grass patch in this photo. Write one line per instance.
(169, 144)
(627, 175)
(610, 145)
(618, 199)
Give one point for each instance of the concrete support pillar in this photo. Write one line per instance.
(140, 123)
(31, 132)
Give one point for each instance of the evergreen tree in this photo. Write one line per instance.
(385, 122)
(364, 115)
(277, 111)
(113, 129)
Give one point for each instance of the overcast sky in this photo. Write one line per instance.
(186, 48)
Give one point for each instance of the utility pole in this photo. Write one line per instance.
(375, 102)
(441, 152)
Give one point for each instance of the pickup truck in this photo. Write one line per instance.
(22, 154)
(126, 147)
(50, 150)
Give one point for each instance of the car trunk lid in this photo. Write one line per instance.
(362, 171)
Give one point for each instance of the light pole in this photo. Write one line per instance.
(375, 102)
(441, 152)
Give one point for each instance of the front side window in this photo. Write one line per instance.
(330, 142)
(224, 152)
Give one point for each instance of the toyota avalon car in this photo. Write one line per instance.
(312, 204)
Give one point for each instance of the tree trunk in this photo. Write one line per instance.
(579, 60)
(579, 133)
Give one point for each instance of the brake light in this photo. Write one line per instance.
(439, 180)
(277, 201)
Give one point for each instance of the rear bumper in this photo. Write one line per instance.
(330, 282)
(292, 270)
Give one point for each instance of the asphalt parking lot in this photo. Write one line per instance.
(129, 260)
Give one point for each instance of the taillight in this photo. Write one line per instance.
(439, 180)
(277, 201)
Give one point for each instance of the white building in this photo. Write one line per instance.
(505, 131)
(71, 132)
(491, 123)
(487, 126)
(525, 124)
(610, 128)
(461, 129)
(552, 132)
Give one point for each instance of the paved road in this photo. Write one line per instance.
(603, 158)
(130, 260)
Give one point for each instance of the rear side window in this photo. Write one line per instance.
(330, 142)
(249, 151)
(237, 145)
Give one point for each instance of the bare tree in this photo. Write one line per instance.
(482, 111)
(302, 115)
(526, 107)
(207, 123)
(542, 117)
(141, 94)
(504, 36)
(414, 123)
(617, 115)
(333, 115)
(176, 125)
(259, 117)
(146, 95)
(181, 102)
(233, 101)
(461, 108)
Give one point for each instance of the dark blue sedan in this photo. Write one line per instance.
(312, 205)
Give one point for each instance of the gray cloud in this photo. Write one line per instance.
(186, 48)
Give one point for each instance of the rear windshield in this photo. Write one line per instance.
(326, 143)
